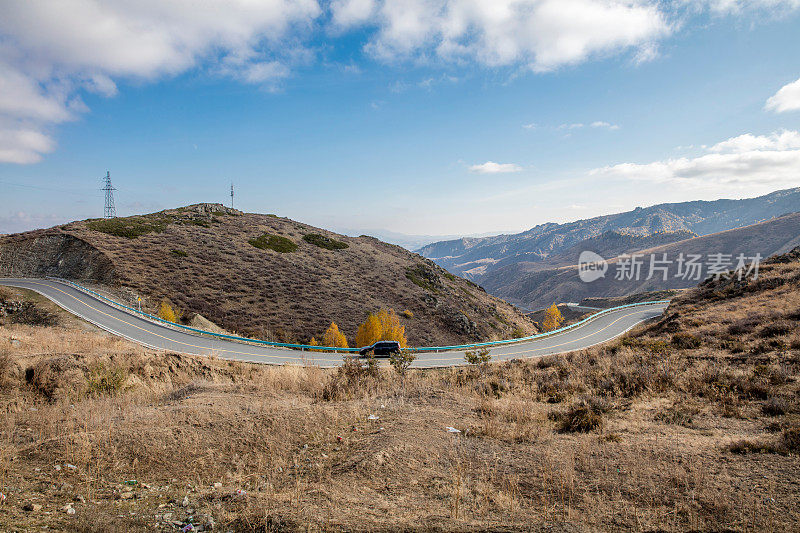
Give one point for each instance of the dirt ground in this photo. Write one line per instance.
(688, 423)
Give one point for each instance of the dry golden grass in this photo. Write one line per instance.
(646, 433)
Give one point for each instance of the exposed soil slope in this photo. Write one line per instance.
(264, 276)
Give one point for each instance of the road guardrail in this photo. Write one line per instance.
(308, 347)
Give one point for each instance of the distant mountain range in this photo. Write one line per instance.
(516, 267)
(409, 242)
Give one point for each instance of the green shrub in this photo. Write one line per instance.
(179, 253)
(401, 361)
(130, 227)
(424, 278)
(518, 333)
(105, 380)
(274, 242)
(324, 242)
(478, 357)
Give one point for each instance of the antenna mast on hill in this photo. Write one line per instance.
(109, 211)
(231, 195)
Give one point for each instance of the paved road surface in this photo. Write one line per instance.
(148, 333)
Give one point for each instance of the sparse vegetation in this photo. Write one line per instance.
(105, 380)
(478, 357)
(401, 361)
(179, 253)
(130, 227)
(408, 314)
(425, 278)
(325, 242)
(276, 243)
(583, 416)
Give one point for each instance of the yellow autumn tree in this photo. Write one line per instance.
(552, 318)
(383, 326)
(166, 312)
(369, 332)
(313, 342)
(334, 337)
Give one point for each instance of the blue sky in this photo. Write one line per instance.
(421, 117)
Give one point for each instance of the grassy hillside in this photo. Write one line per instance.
(691, 422)
(264, 276)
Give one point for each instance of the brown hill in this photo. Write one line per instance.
(538, 288)
(262, 275)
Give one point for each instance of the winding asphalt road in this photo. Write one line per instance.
(148, 333)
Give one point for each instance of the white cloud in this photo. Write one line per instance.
(786, 99)
(740, 6)
(490, 167)
(596, 124)
(346, 13)
(538, 34)
(22, 144)
(605, 125)
(783, 140)
(531, 126)
(744, 161)
(646, 54)
(50, 50)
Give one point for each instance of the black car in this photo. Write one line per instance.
(381, 348)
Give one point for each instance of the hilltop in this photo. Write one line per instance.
(263, 275)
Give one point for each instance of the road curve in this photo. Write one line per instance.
(602, 329)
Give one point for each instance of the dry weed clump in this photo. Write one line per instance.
(5, 368)
(354, 379)
(57, 378)
(587, 414)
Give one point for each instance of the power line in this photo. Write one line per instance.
(109, 211)
(51, 189)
